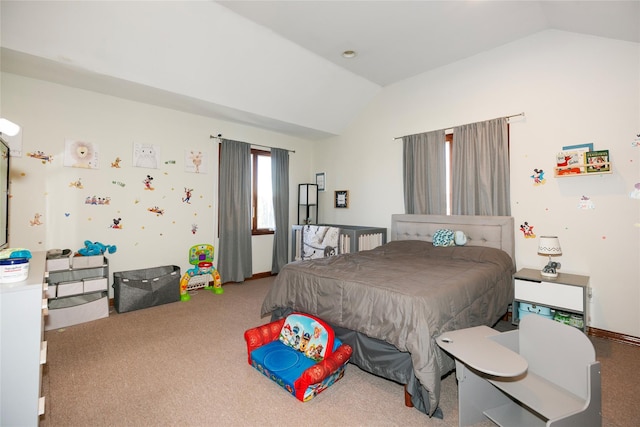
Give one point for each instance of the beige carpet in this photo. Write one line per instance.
(185, 364)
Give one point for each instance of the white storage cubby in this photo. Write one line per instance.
(78, 295)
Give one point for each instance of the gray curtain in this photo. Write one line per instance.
(234, 259)
(480, 169)
(280, 184)
(424, 167)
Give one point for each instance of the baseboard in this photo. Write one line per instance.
(614, 336)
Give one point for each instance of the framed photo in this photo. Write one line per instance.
(342, 199)
(321, 181)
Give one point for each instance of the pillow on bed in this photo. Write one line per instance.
(460, 238)
(443, 237)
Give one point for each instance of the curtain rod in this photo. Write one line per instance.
(503, 117)
(219, 137)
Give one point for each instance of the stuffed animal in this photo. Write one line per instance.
(95, 248)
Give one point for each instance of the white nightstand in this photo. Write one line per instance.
(567, 293)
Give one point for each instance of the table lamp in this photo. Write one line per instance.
(550, 245)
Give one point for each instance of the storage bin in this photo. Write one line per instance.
(144, 288)
(525, 309)
(64, 312)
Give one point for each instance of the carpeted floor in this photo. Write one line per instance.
(185, 364)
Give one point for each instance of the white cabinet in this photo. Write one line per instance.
(22, 348)
(566, 293)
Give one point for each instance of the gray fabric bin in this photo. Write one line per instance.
(136, 289)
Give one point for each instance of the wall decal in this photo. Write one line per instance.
(538, 177)
(586, 203)
(42, 156)
(35, 220)
(195, 161)
(146, 156)
(527, 230)
(76, 184)
(121, 184)
(147, 183)
(116, 163)
(187, 195)
(635, 193)
(80, 154)
(194, 228)
(156, 210)
(635, 143)
(94, 200)
(116, 223)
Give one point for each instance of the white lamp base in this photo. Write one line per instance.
(545, 274)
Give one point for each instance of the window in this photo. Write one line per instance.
(262, 215)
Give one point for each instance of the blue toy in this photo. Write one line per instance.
(96, 248)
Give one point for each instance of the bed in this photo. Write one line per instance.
(391, 302)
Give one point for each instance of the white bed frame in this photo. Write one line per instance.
(492, 231)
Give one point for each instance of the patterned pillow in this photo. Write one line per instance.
(443, 237)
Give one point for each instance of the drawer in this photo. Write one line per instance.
(96, 284)
(66, 289)
(550, 294)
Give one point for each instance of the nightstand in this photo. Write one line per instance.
(567, 293)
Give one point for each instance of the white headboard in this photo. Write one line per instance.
(493, 231)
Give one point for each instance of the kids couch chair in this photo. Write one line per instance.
(300, 353)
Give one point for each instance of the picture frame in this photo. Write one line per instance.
(579, 147)
(341, 199)
(321, 181)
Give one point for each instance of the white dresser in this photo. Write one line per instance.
(23, 350)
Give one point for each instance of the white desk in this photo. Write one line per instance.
(515, 378)
(477, 348)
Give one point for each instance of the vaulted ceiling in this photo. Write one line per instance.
(277, 65)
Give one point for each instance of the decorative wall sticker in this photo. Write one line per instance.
(67, 214)
(80, 154)
(116, 223)
(635, 143)
(147, 183)
(586, 203)
(42, 156)
(94, 200)
(538, 177)
(194, 228)
(195, 161)
(146, 156)
(121, 184)
(170, 162)
(156, 210)
(187, 195)
(116, 163)
(35, 220)
(635, 193)
(76, 184)
(527, 230)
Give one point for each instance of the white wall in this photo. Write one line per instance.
(50, 113)
(573, 89)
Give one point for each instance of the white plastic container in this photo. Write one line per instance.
(14, 270)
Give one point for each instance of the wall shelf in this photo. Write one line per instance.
(580, 169)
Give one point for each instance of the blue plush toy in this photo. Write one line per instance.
(96, 248)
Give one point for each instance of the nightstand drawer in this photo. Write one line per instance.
(551, 294)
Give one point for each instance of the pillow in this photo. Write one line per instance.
(443, 237)
(460, 238)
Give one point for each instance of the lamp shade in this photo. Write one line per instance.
(8, 128)
(549, 245)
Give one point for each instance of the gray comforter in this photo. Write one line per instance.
(405, 293)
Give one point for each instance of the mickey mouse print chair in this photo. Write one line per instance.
(300, 353)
